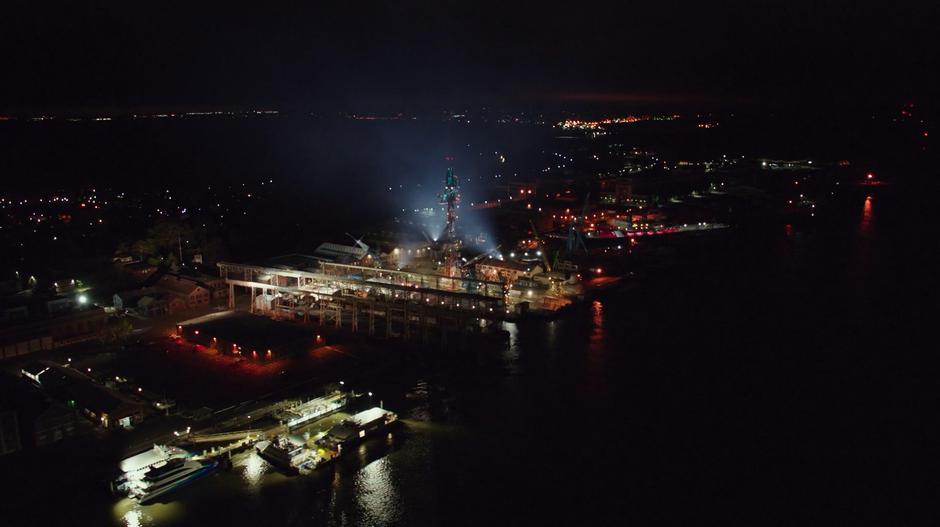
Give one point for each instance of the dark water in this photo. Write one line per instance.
(768, 376)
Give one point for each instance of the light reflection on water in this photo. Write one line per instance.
(128, 513)
(865, 224)
(133, 518)
(597, 320)
(377, 494)
(513, 330)
(511, 354)
(254, 469)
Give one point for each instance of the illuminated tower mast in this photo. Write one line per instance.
(450, 198)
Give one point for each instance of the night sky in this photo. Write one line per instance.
(405, 55)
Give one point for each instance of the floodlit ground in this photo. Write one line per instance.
(196, 376)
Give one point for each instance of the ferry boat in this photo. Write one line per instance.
(134, 468)
(357, 427)
(174, 474)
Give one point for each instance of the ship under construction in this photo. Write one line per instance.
(404, 288)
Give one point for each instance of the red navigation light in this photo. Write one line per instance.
(869, 175)
(196, 332)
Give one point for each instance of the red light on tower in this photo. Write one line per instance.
(870, 175)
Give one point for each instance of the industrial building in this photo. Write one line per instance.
(356, 286)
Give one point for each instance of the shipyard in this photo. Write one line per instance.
(449, 264)
(295, 345)
(211, 376)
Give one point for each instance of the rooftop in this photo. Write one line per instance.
(367, 416)
(296, 262)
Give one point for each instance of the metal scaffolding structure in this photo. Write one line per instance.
(348, 295)
(450, 198)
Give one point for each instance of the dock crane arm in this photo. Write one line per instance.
(479, 257)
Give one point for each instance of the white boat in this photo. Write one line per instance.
(150, 458)
(175, 474)
(135, 467)
(357, 427)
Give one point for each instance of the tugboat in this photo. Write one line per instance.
(282, 453)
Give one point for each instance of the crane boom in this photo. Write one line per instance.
(479, 257)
